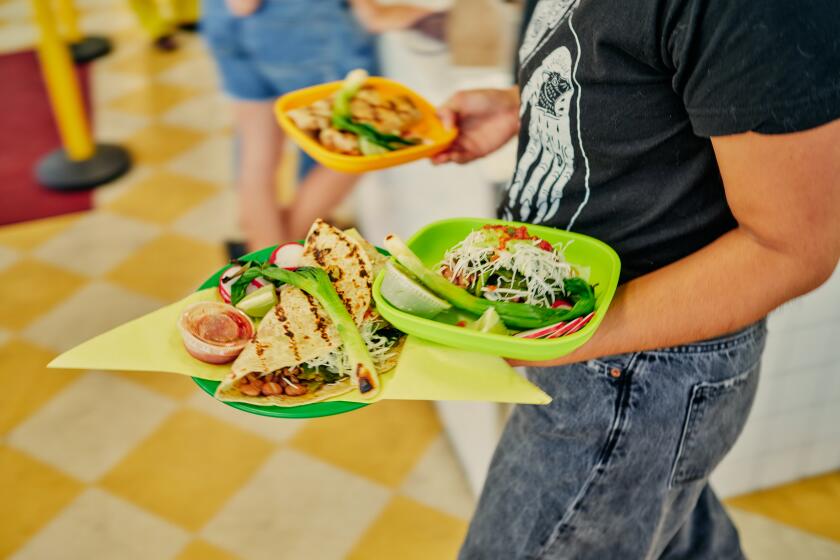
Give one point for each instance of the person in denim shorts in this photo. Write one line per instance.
(266, 48)
(699, 138)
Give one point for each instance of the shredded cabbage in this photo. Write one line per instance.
(380, 348)
(522, 271)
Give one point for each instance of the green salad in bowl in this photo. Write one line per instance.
(502, 279)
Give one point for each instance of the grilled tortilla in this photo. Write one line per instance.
(299, 329)
(346, 261)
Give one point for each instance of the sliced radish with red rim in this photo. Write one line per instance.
(558, 329)
(256, 284)
(226, 280)
(287, 255)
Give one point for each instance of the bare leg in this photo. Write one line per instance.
(259, 154)
(319, 193)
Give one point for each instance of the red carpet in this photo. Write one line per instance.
(27, 133)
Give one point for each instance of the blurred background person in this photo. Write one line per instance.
(264, 49)
(160, 25)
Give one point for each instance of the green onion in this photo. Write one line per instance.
(316, 282)
(342, 118)
(513, 315)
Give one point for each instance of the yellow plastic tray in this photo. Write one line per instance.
(435, 136)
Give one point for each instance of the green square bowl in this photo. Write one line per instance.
(430, 244)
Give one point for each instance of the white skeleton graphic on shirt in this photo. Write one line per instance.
(547, 15)
(548, 94)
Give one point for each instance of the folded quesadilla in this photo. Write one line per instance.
(296, 355)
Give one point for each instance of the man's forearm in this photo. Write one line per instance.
(725, 286)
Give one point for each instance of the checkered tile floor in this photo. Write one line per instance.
(101, 465)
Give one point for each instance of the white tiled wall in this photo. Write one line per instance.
(794, 428)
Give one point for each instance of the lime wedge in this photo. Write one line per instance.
(259, 302)
(489, 322)
(404, 293)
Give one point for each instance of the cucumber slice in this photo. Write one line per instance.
(407, 295)
(489, 322)
(259, 302)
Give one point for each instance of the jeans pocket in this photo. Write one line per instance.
(717, 412)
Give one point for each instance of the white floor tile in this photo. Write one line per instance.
(104, 20)
(275, 429)
(438, 481)
(17, 38)
(213, 221)
(115, 189)
(89, 426)
(310, 509)
(96, 243)
(99, 526)
(200, 72)
(208, 112)
(116, 126)
(765, 539)
(7, 257)
(211, 160)
(81, 317)
(16, 10)
(4, 336)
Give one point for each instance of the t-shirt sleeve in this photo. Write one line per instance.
(769, 66)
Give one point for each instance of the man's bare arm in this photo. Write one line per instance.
(784, 190)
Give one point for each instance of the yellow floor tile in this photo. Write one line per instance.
(200, 550)
(409, 530)
(35, 288)
(382, 442)
(188, 468)
(810, 504)
(26, 382)
(29, 235)
(157, 143)
(172, 385)
(152, 101)
(162, 197)
(32, 494)
(150, 61)
(170, 267)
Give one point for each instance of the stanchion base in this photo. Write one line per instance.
(90, 48)
(59, 173)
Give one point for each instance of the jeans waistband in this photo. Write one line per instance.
(724, 342)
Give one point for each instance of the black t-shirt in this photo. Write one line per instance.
(619, 100)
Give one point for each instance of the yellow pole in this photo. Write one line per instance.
(69, 18)
(62, 86)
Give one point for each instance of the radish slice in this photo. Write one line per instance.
(256, 284)
(558, 329)
(287, 255)
(572, 326)
(541, 332)
(226, 280)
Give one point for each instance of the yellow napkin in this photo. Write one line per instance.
(425, 371)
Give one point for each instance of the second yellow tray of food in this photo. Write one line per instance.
(434, 136)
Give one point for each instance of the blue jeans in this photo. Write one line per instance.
(617, 466)
(285, 45)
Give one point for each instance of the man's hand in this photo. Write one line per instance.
(784, 190)
(379, 18)
(242, 8)
(486, 120)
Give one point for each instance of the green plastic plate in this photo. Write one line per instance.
(304, 411)
(430, 244)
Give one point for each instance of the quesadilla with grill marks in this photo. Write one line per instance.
(296, 356)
